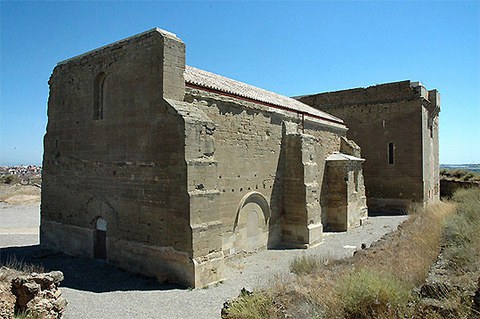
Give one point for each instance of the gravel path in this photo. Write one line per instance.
(97, 290)
(19, 224)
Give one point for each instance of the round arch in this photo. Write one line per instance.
(257, 198)
(250, 229)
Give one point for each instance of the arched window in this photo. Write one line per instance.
(99, 96)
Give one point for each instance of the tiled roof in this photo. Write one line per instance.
(217, 82)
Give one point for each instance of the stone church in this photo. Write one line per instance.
(165, 170)
(396, 126)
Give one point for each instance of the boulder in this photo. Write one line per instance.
(38, 295)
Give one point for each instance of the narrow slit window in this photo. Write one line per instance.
(391, 153)
(99, 96)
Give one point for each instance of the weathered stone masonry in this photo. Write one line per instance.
(396, 125)
(165, 170)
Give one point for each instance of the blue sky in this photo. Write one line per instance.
(291, 48)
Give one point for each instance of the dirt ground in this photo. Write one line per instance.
(19, 194)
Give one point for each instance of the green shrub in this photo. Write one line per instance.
(368, 294)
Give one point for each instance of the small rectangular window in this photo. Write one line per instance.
(391, 153)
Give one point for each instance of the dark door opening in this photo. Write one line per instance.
(100, 240)
(100, 251)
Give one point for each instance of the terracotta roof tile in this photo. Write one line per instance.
(219, 83)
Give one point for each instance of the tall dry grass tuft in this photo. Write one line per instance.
(22, 266)
(14, 267)
(368, 294)
(253, 306)
(304, 265)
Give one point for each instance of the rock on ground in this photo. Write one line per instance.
(36, 295)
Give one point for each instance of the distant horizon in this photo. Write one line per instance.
(2, 164)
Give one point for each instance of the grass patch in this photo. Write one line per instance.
(304, 265)
(461, 255)
(369, 294)
(256, 305)
(21, 266)
(462, 232)
(14, 267)
(409, 252)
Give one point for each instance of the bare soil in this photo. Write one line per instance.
(19, 194)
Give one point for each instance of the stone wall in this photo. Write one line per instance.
(430, 131)
(126, 165)
(345, 200)
(385, 120)
(256, 162)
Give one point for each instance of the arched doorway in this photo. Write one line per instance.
(251, 223)
(100, 240)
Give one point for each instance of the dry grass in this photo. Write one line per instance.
(14, 267)
(410, 252)
(460, 259)
(9, 270)
(304, 265)
(254, 305)
(375, 283)
(19, 194)
(462, 235)
(368, 294)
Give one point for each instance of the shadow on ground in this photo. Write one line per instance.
(81, 273)
(379, 213)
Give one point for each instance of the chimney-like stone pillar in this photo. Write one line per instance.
(173, 58)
